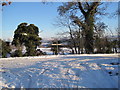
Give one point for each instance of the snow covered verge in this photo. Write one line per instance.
(61, 71)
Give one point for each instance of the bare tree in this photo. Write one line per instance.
(66, 23)
(75, 42)
(85, 19)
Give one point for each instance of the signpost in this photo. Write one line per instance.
(56, 46)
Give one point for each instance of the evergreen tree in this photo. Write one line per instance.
(27, 35)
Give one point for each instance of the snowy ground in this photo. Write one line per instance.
(69, 71)
(49, 52)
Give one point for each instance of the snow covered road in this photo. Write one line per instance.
(62, 71)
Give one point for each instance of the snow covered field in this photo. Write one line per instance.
(62, 71)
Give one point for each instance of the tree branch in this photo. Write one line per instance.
(93, 7)
(81, 8)
(78, 22)
(87, 4)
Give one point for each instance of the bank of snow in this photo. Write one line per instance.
(66, 71)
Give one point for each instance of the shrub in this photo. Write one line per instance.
(17, 53)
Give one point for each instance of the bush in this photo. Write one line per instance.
(4, 49)
(39, 52)
(17, 53)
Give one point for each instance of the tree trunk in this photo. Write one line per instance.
(79, 33)
(73, 40)
(89, 34)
